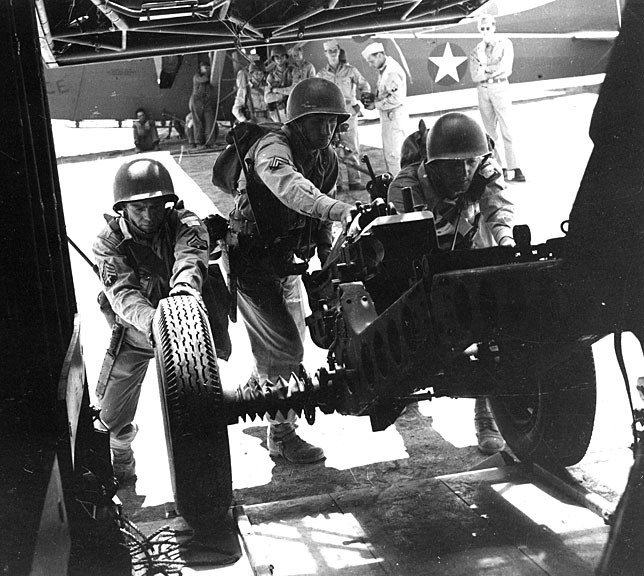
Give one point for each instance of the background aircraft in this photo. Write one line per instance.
(552, 39)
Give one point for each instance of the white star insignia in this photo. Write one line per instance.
(447, 64)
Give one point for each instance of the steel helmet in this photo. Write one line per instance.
(141, 179)
(278, 50)
(316, 96)
(456, 136)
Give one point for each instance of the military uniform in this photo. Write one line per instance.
(487, 216)
(290, 187)
(490, 67)
(145, 134)
(390, 97)
(276, 92)
(349, 79)
(136, 273)
(299, 71)
(250, 104)
(202, 105)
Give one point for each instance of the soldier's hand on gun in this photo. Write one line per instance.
(507, 241)
(349, 216)
(351, 219)
(368, 100)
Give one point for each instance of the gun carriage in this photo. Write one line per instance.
(403, 318)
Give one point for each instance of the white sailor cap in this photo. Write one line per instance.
(373, 48)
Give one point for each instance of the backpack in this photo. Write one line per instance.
(228, 166)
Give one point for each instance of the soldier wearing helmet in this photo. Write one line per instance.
(152, 249)
(278, 84)
(463, 186)
(282, 215)
(459, 176)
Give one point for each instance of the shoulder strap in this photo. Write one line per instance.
(133, 249)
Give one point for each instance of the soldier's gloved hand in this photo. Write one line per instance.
(217, 227)
(368, 100)
(183, 289)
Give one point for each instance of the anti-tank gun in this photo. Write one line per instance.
(405, 318)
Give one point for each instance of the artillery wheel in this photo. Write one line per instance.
(554, 421)
(195, 427)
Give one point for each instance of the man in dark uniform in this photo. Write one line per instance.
(463, 186)
(282, 214)
(202, 106)
(149, 251)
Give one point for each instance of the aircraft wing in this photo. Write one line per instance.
(88, 31)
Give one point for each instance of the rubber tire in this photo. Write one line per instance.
(192, 401)
(555, 423)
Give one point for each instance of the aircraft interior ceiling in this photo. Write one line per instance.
(87, 31)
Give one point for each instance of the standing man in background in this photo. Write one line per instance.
(490, 66)
(278, 84)
(299, 68)
(202, 106)
(389, 99)
(349, 79)
(249, 105)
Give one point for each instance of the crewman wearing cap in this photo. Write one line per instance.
(389, 99)
(299, 68)
(351, 82)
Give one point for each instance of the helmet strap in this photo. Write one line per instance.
(296, 127)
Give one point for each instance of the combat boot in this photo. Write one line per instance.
(489, 438)
(284, 442)
(123, 462)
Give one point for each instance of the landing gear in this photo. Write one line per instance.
(196, 429)
(550, 418)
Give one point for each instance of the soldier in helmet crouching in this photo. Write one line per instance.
(460, 182)
(282, 214)
(151, 250)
